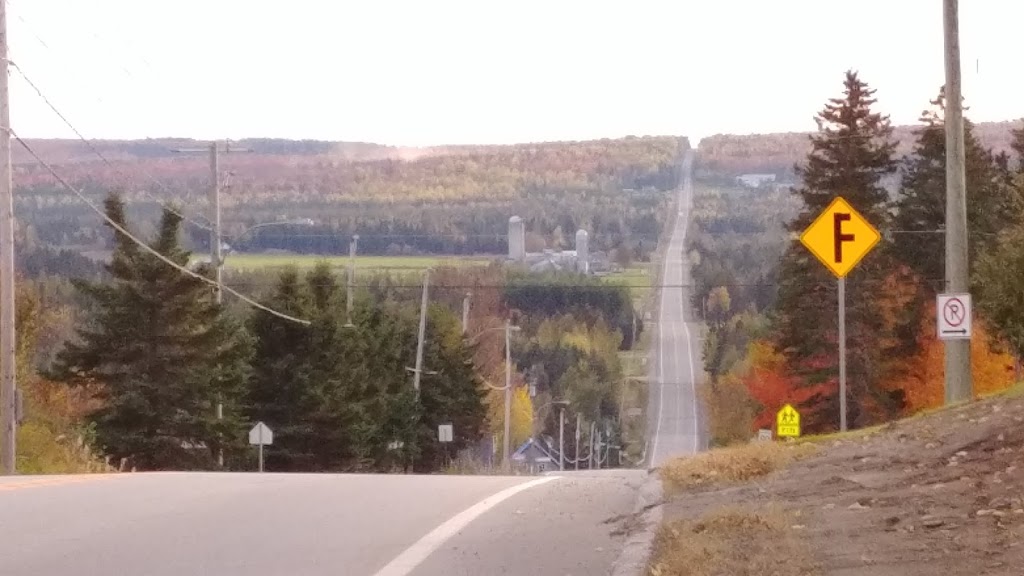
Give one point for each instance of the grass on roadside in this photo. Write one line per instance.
(733, 541)
(733, 464)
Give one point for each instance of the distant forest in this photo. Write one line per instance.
(447, 200)
(730, 155)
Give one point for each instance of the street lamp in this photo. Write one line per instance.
(243, 233)
(508, 328)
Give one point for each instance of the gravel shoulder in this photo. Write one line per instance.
(934, 494)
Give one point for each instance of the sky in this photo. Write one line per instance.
(430, 72)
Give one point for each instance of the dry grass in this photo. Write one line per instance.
(733, 542)
(734, 464)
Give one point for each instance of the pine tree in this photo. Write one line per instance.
(339, 397)
(281, 375)
(455, 395)
(992, 203)
(164, 353)
(1017, 145)
(851, 155)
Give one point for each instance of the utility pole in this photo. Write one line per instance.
(579, 419)
(506, 441)
(8, 383)
(422, 334)
(216, 259)
(352, 246)
(465, 312)
(561, 438)
(958, 352)
(590, 457)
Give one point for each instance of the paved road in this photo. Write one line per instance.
(185, 524)
(674, 416)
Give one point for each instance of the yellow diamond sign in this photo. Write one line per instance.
(840, 237)
(787, 422)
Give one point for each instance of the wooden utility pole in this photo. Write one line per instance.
(958, 352)
(422, 333)
(8, 368)
(350, 283)
(216, 259)
(465, 312)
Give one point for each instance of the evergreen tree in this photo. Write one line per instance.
(455, 395)
(282, 375)
(164, 352)
(851, 154)
(1017, 145)
(339, 397)
(992, 203)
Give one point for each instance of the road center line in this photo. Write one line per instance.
(408, 560)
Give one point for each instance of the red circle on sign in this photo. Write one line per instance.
(954, 312)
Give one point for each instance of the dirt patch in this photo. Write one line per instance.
(734, 542)
(937, 494)
(731, 465)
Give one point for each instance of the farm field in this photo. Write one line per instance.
(253, 262)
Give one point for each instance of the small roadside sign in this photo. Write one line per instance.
(840, 237)
(953, 316)
(261, 436)
(787, 422)
(445, 433)
(764, 435)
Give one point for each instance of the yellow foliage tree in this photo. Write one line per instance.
(522, 416)
(924, 382)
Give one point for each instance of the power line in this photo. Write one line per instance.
(96, 151)
(145, 246)
(607, 285)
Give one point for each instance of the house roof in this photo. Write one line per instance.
(531, 450)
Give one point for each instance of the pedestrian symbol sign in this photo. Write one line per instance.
(787, 422)
(840, 237)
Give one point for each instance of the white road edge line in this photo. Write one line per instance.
(661, 370)
(414, 555)
(679, 387)
(689, 346)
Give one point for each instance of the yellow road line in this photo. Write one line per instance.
(53, 481)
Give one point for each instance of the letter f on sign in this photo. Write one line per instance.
(838, 219)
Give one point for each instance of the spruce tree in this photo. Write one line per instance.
(164, 352)
(277, 393)
(851, 155)
(992, 203)
(455, 395)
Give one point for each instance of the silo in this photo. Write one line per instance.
(516, 239)
(583, 251)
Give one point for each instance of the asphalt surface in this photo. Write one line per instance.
(674, 415)
(309, 524)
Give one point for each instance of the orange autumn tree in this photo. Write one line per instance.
(770, 385)
(923, 382)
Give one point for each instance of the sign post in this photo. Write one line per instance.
(445, 435)
(261, 435)
(840, 237)
(953, 315)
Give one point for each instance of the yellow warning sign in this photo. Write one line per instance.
(787, 422)
(840, 237)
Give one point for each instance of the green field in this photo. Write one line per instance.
(636, 277)
(251, 262)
